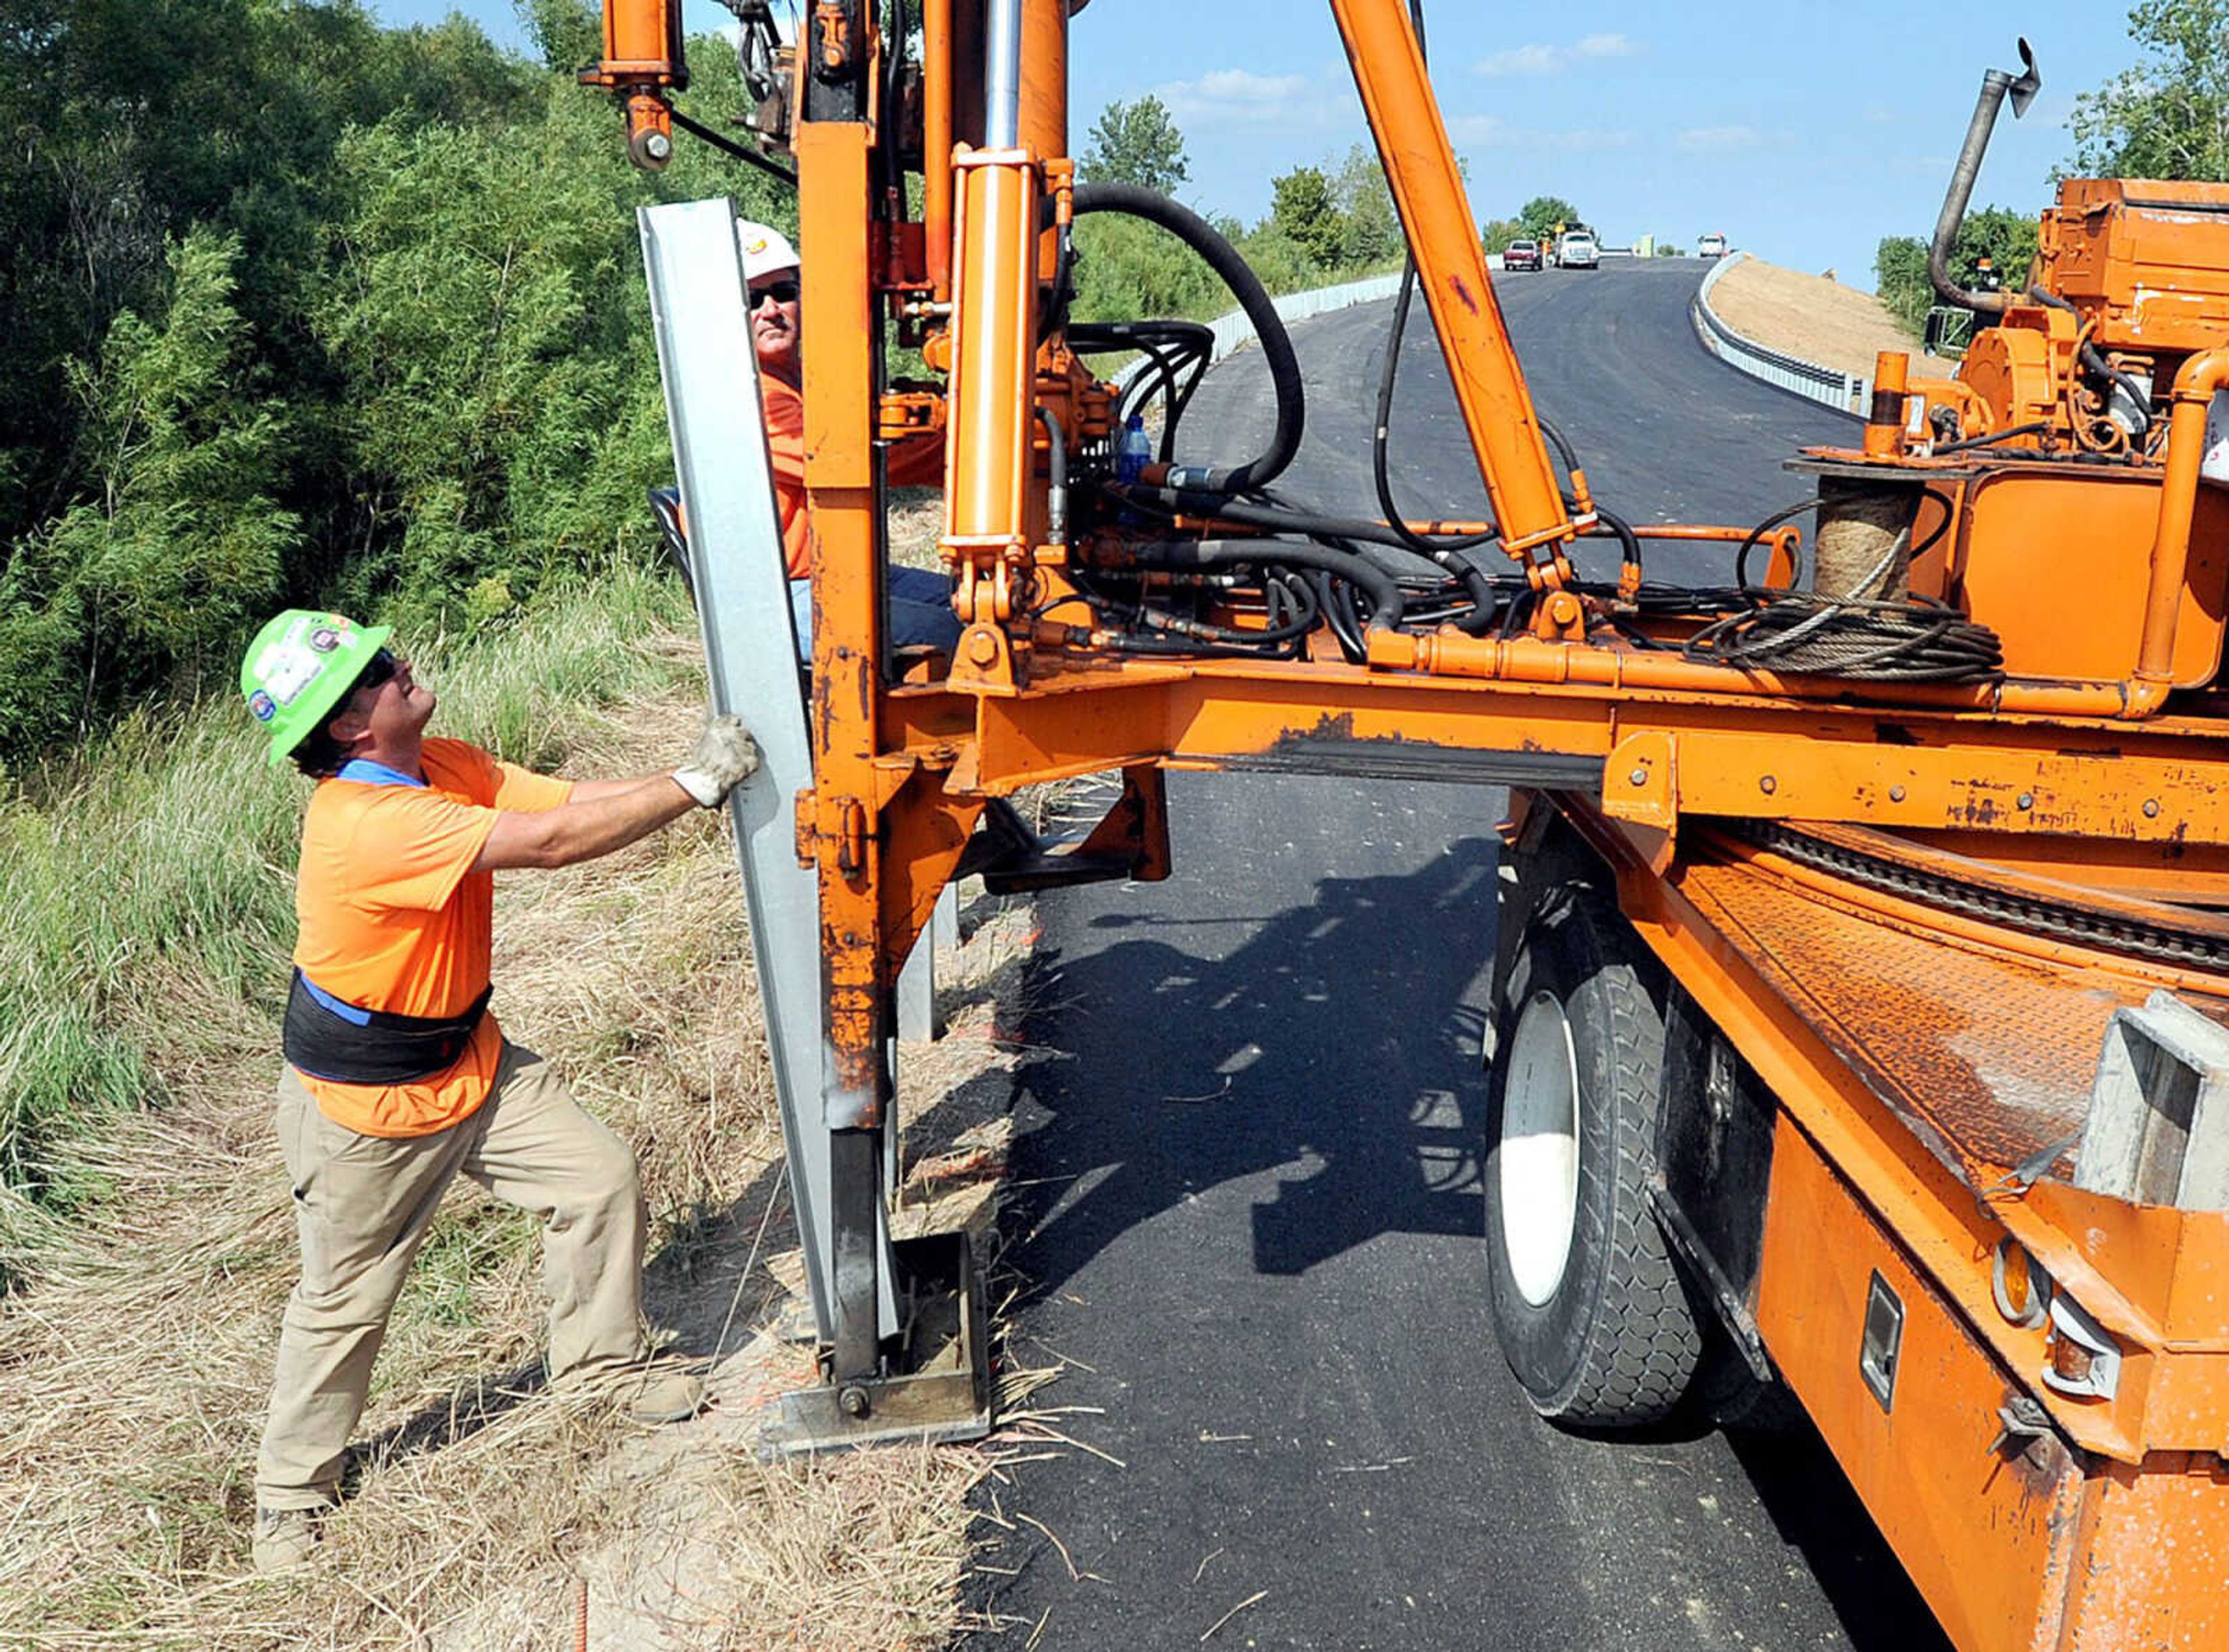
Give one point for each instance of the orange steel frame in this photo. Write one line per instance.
(2059, 774)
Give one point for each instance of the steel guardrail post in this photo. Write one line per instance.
(734, 531)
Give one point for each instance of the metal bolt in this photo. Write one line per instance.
(1768, 784)
(853, 1401)
(2027, 799)
(2151, 808)
(1639, 777)
(1896, 793)
(983, 648)
(657, 146)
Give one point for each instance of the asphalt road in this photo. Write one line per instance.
(1248, 1215)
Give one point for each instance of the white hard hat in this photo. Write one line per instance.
(766, 249)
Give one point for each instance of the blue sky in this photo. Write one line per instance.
(1804, 131)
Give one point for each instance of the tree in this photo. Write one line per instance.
(1302, 207)
(180, 543)
(2168, 117)
(1499, 231)
(565, 32)
(295, 307)
(2006, 238)
(1136, 143)
(1543, 214)
(1371, 227)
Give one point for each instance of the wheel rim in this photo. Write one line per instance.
(1539, 1150)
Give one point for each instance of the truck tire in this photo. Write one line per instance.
(1591, 1313)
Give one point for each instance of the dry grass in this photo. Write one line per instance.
(132, 1373)
(917, 519)
(1815, 317)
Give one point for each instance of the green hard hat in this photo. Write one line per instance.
(300, 667)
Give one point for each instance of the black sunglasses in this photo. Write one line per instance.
(379, 669)
(780, 292)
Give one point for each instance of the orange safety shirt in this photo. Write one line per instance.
(916, 461)
(393, 919)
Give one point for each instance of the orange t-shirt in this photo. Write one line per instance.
(392, 918)
(785, 428)
(915, 461)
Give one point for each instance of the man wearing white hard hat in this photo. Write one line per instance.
(920, 602)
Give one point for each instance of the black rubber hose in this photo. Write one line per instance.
(1994, 436)
(1381, 440)
(1755, 534)
(1172, 501)
(1179, 352)
(1386, 603)
(1349, 637)
(1057, 480)
(1628, 542)
(1284, 363)
(2095, 361)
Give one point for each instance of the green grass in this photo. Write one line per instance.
(148, 879)
(457, 1256)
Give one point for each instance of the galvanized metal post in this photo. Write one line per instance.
(918, 1021)
(703, 326)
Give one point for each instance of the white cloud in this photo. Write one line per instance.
(1480, 131)
(1719, 140)
(1492, 132)
(1234, 95)
(1554, 60)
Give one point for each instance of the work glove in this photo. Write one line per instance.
(725, 757)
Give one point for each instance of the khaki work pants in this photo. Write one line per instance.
(362, 1205)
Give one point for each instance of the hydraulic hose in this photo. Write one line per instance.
(1057, 482)
(1381, 442)
(1386, 603)
(1187, 501)
(1284, 363)
(2094, 359)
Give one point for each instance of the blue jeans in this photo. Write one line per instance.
(920, 613)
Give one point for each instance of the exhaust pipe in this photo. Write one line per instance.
(1995, 85)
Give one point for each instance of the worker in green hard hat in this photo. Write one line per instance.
(397, 1078)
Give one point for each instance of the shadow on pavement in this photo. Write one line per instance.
(1337, 1045)
(1334, 1046)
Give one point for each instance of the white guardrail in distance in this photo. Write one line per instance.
(1848, 392)
(1235, 330)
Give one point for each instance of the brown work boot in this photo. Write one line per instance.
(650, 1392)
(286, 1538)
(660, 1395)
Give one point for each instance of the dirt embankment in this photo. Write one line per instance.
(1814, 317)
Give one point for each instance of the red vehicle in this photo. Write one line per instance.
(1521, 255)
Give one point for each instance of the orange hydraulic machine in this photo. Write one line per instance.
(1863, 963)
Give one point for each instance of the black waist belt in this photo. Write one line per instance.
(356, 1046)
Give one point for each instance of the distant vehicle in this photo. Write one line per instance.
(1521, 255)
(1710, 246)
(1578, 251)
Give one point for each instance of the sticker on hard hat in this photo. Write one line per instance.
(324, 640)
(263, 705)
(287, 670)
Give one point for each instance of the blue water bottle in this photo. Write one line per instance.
(1135, 451)
(1132, 454)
